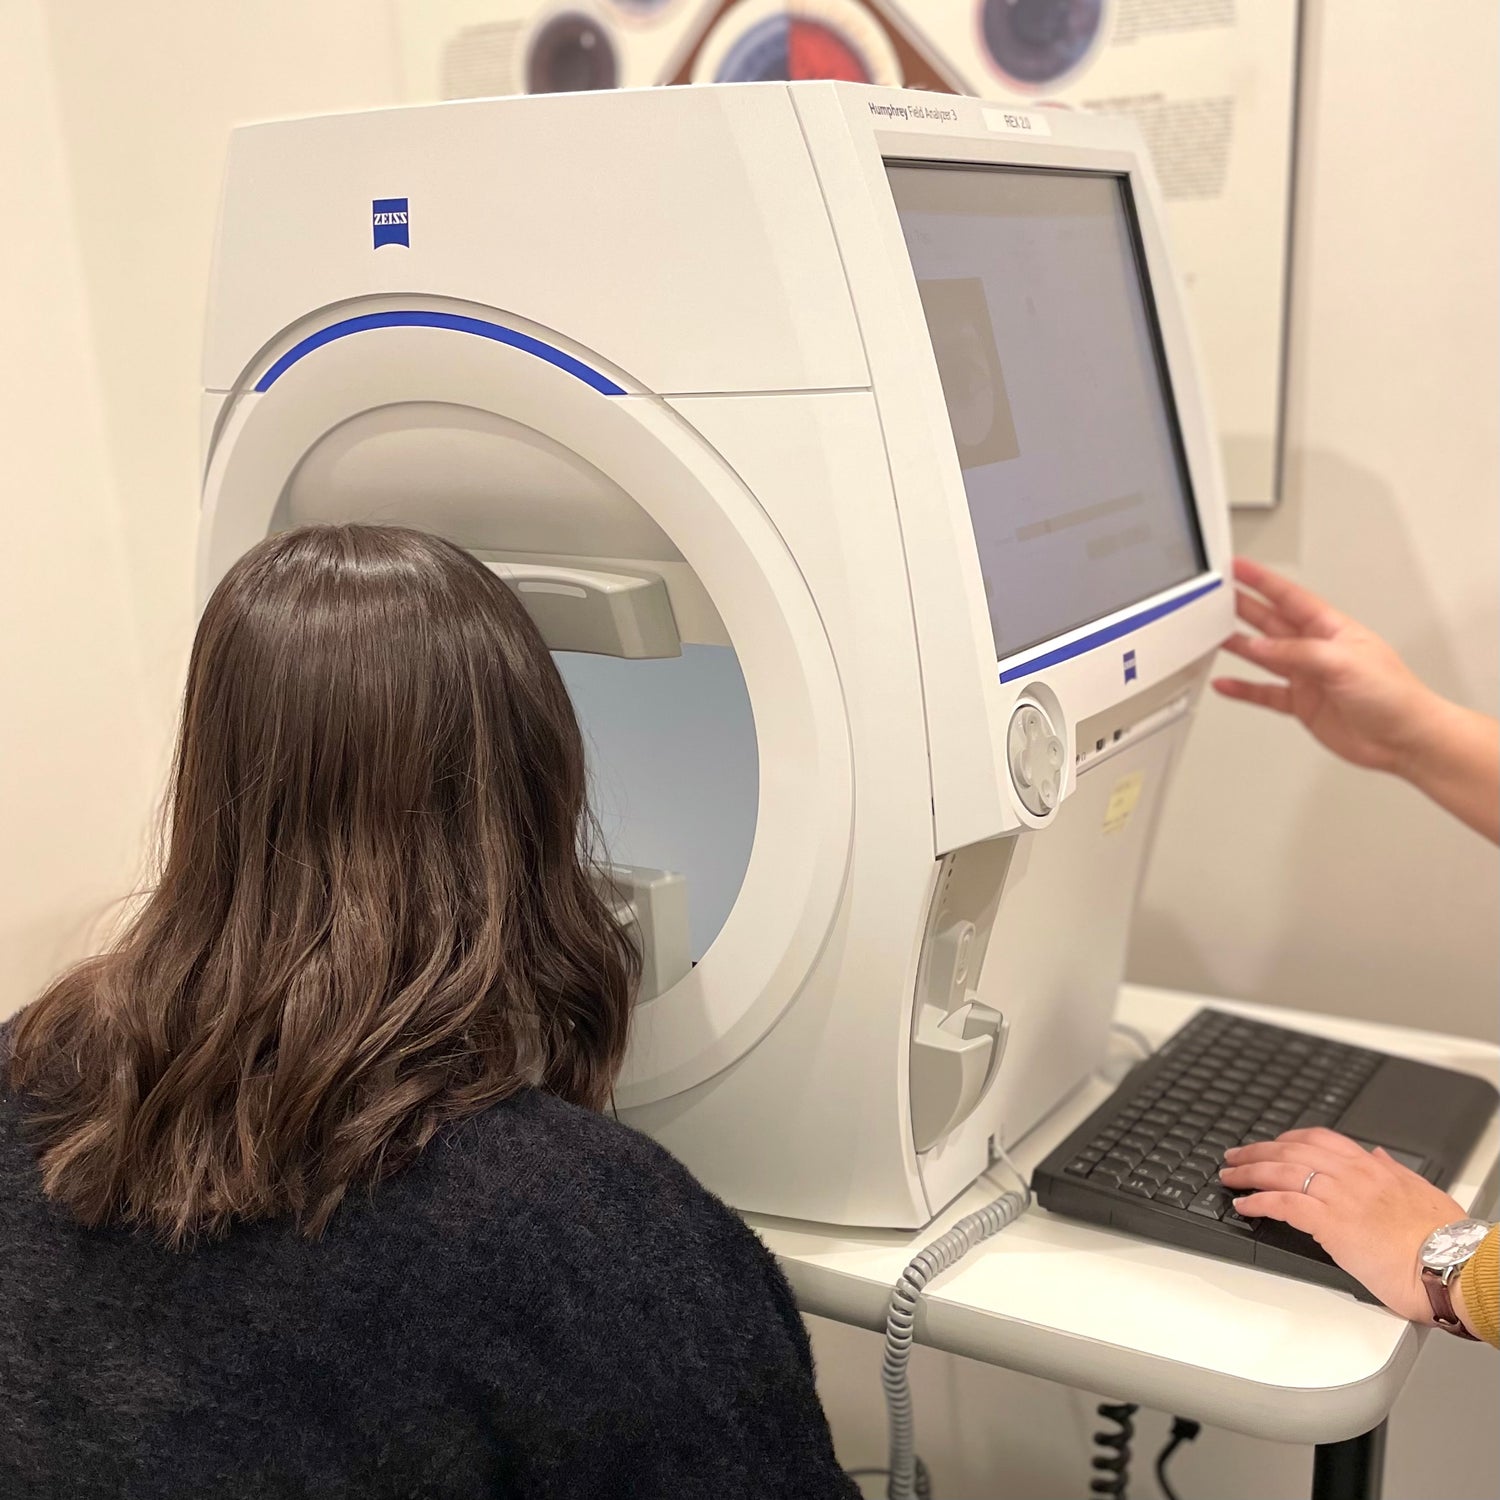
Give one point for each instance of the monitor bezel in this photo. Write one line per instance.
(1124, 187)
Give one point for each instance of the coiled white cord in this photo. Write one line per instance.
(909, 1479)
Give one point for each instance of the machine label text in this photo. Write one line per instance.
(939, 114)
(1017, 121)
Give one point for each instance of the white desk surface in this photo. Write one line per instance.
(1101, 1311)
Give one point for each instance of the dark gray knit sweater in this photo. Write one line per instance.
(545, 1304)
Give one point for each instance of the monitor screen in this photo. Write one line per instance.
(1036, 299)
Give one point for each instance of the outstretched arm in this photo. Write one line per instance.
(1357, 697)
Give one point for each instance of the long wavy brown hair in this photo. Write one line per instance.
(374, 915)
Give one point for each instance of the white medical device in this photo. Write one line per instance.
(850, 445)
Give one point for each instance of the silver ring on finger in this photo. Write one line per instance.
(1307, 1181)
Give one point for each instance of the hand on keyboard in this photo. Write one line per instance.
(1364, 1208)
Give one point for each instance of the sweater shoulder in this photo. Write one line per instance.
(540, 1155)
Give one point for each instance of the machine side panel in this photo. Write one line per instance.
(679, 233)
(1057, 949)
(1057, 954)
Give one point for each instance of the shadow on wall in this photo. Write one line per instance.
(1285, 876)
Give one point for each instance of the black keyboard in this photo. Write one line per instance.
(1147, 1160)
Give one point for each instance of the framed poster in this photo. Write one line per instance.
(1212, 85)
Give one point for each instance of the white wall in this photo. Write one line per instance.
(73, 747)
(1280, 875)
(147, 94)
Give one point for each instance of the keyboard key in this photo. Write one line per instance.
(1210, 1202)
(1184, 1133)
(1120, 1161)
(1175, 1194)
(1078, 1167)
(1107, 1176)
(1140, 1187)
(1311, 1118)
(1169, 1155)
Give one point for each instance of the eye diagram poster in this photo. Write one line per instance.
(1212, 85)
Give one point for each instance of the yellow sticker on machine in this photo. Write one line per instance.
(1122, 801)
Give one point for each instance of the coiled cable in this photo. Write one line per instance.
(1112, 1467)
(909, 1479)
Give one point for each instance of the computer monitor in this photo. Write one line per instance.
(1057, 390)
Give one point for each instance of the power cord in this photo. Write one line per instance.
(909, 1479)
(1184, 1430)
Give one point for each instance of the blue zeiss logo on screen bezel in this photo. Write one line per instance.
(1130, 672)
(390, 221)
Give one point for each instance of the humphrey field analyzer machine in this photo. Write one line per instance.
(849, 448)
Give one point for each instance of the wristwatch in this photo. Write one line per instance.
(1443, 1255)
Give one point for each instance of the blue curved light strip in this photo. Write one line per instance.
(1107, 634)
(456, 324)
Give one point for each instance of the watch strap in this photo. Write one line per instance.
(1440, 1294)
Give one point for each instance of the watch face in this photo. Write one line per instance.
(1453, 1243)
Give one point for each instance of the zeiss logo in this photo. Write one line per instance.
(1130, 673)
(388, 218)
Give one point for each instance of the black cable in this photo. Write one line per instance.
(1184, 1430)
(1112, 1467)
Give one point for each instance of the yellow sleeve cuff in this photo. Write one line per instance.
(1480, 1283)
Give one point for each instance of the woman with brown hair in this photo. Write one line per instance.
(305, 1187)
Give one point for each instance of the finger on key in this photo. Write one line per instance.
(1297, 1209)
(1277, 1177)
(1280, 1150)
